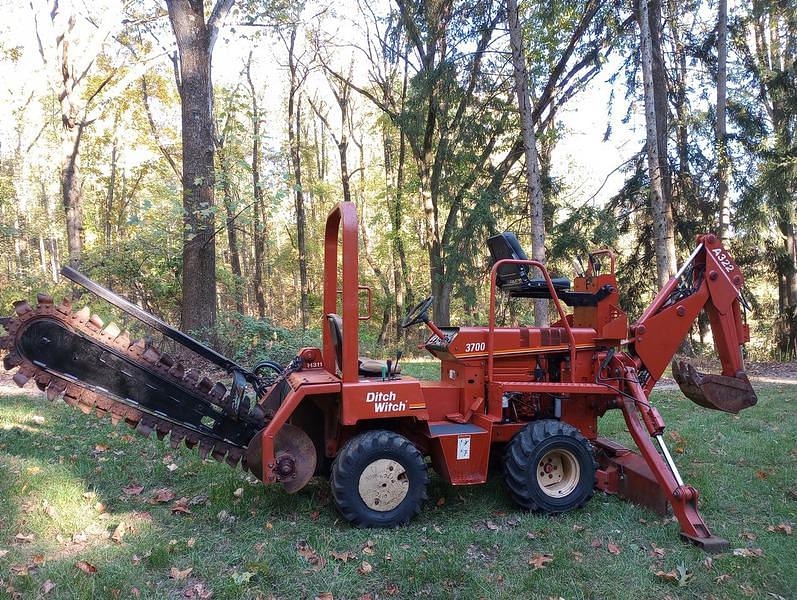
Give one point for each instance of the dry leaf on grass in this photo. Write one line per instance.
(198, 591)
(782, 527)
(180, 506)
(178, 575)
(365, 568)
(748, 552)
(238, 493)
(391, 589)
(133, 490)
(578, 556)
(656, 551)
(24, 538)
(722, 578)
(47, 587)
(679, 575)
(314, 515)
(613, 549)
(119, 532)
(325, 596)
(161, 495)
(368, 548)
(366, 596)
(596, 543)
(344, 556)
(190, 542)
(99, 448)
(538, 561)
(86, 567)
(311, 556)
(3, 553)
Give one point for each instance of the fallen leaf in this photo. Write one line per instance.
(747, 589)
(86, 567)
(311, 556)
(748, 535)
(47, 587)
(748, 552)
(613, 549)
(268, 525)
(680, 575)
(577, 527)
(761, 474)
(100, 448)
(190, 542)
(133, 490)
(784, 527)
(368, 548)
(722, 578)
(119, 532)
(366, 596)
(238, 493)
(161, 495)
(656, 551)
(198, 591)
(441, 501)
(241, 578)
(23, 570)
(391, 589)
(178, 575)
(99, 507)
(38, 419)
(172, 467)
(344, 556)
(491, 526)
(325, 596)
(596, 543)
(33, 470)
(181, 506)
(24, 538)
(538, 561)
(135, 592)
(3, 553)
(708, 563)
(365, 567)
(38, 559)
(578, 556)
(314, 515)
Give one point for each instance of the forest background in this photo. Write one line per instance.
(201, 193)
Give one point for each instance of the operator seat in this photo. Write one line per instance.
(514, 279)
(367, 367)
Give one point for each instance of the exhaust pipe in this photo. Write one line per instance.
(717, 392)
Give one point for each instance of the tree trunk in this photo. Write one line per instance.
(258, 221)
(663, 228)
(71, 192)
(722, 149)
(294, 141)
(533, 182)
(232, 233)
(195, 41)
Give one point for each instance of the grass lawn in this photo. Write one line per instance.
(70, 484)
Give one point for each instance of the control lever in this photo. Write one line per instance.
(395, 364)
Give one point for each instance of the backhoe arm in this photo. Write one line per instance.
(708, 280)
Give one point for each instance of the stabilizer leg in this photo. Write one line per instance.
(682, 497)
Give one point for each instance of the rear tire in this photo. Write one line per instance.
(549, 467)
(379, 479)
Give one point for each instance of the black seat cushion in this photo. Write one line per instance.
(367, 367)
(514, 279)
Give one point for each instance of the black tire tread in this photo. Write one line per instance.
(344, 464)
(521, 447)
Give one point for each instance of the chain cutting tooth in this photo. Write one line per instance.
(151, 355)
(83, 315)
(42, 379)
(177, 371)
(217, 392)
(11, 361)
(65, 307)
(123, 340)
(205, 447)
(21, 307)
(44, 300)
(204, 385)
(112, 330)
(55, 389)
(191, 377)
(166, 360)
(95, 322)
(143, 428)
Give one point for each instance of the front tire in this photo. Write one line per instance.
(379, 479)
(549, 467)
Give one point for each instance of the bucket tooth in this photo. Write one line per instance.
(123, 339)
(219, 452)
(95, 322)
(42, 380)
(177, 370)
(111, 330)
(204, 385)
(161, 431)
(83, 315)
(233, 457)
(151, 355)
(69, 398)
(115, 418)
(176, 437)
(717, 392)
(21, 307)
(191, 441)
(139, 345)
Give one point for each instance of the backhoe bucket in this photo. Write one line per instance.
(719, 392)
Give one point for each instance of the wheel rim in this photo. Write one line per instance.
(558, 473)
(383, 485)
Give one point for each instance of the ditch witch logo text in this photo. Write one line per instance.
(385, 402)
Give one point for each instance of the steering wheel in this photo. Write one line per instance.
(419, 313)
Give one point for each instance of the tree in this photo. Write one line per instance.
(661, 203)
(721, 142)
(533, 183)
(195, 41)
